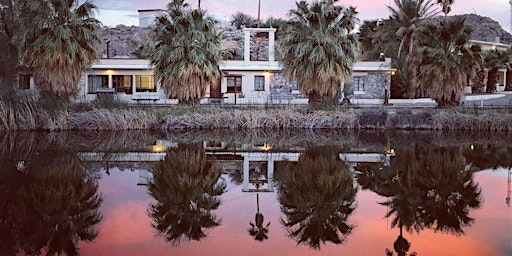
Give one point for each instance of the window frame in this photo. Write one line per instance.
(91, 83)
(358, 84)
(128, 89)
(150, 83)
(259, 83)
(235, 86)
(24, 82)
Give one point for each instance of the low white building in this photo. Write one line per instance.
(253, 80)
(247, 81)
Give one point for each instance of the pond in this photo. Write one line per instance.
(255, 193)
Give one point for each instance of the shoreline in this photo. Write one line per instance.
(30, 116)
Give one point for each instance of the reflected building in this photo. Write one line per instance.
(256, 161)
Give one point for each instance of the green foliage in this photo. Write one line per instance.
(318, 48)
(441, 67)
(405, 19)
(187, 52)
(242, 20)
(58, 39)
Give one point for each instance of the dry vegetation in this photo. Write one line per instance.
(31, 116)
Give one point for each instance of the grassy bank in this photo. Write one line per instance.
(33, 116)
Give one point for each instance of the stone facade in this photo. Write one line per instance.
(375, 86)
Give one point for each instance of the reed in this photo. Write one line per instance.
(30, 115)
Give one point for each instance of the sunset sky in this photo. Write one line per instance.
(113, 12)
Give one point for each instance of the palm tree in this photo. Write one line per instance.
(187, 53)
(441, 67)
(319, 47)
(59, 40)
(494, 60)
(317, 198)
(241, 20)
(405, 19)
(186, 188)
(446, 6)
(9, 22)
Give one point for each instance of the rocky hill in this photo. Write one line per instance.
(486, 29)
(124, 40)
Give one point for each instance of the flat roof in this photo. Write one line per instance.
(150, 10)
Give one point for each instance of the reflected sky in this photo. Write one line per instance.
(126, 230)
(126, 225)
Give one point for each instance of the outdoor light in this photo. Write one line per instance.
(266, 147)
(158, 148)
(110, 71)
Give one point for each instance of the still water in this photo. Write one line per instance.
(255, 193)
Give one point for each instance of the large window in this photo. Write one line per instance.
(94, 82)
(24, 82)
(358, 83)
(234, 84)
(259, 83)
(144, 83)
(122, 83)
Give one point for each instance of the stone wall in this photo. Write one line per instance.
(375, 85)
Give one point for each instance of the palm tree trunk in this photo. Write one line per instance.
(492, 79)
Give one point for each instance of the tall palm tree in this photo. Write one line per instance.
(405, 19)
(319, 47)
(317, 198)
(187, 53)
(59, 39)
(186, 187)
(441, 67)
(494, 60)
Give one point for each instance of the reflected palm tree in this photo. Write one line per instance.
(317, 198)
(186, 187)
(431, 188)
(401, 246)
(449, 191)
(56, 205)
(488, 156)
(257, 229)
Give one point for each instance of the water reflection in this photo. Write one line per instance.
(49, 203)
(426, 187)
(187, 188)
(317, 198)
(301, 182)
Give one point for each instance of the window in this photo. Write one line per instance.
(145, 83)
(122, 83)
(358, 83)
(259, 83)
(24, 82)
(95, 82)
(234, 84)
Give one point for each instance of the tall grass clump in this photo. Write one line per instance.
(111, 119)
(18, 116)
